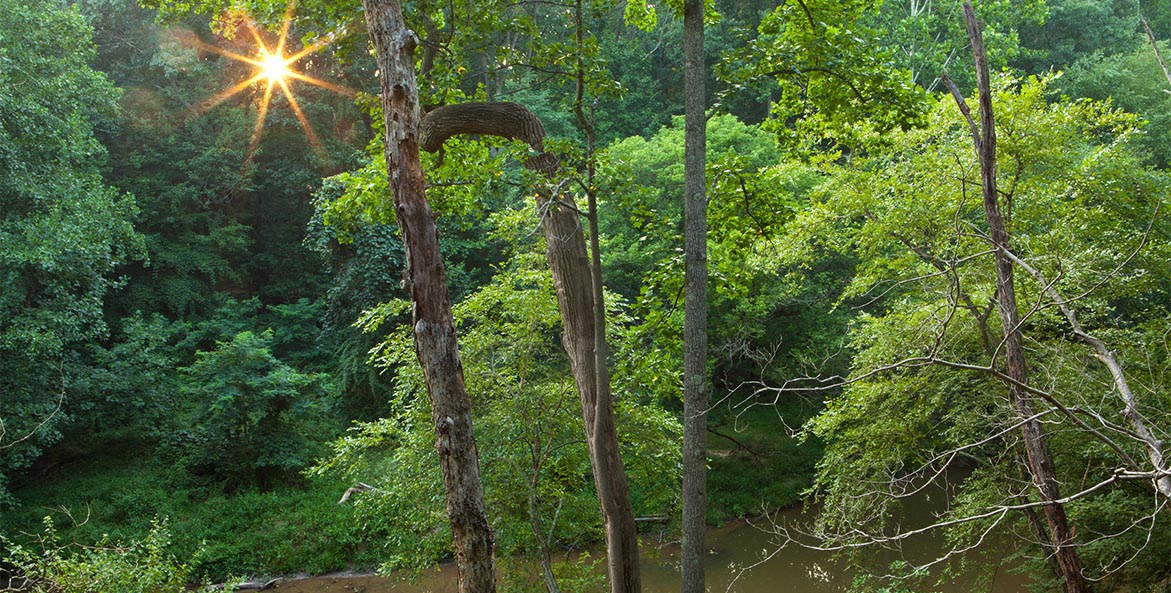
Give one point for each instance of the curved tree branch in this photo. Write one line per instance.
(507, 120)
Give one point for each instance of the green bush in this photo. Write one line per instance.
(252, 415)
(141, 566)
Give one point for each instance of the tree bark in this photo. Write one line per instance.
(435, 337)
(1039, 460)
(566, 252)
(695, 400)
(578, 287)
(597, 403)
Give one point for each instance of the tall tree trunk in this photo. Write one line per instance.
(695, 400)
(590, 369)
(1039, 460)
(579, 298)
(566, 252)
(435, 338)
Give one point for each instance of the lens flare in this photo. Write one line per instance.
(274, 69)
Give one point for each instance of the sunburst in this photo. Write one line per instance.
(274, 69)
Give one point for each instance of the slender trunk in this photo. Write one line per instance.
(435, 338)
(1040, 527)
(601, 434)
(1158, 54)
(1039, 460)
(544, 542)
(566, 252)
(695, 400)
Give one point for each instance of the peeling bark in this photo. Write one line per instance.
(434, 329)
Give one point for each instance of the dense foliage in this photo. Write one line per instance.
(204, 337)
(63, 230)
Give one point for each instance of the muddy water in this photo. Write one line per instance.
(792, 570)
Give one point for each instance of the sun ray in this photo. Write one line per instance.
(255, 32)
(309, 133)
(200, 44)
(311, 48)
(329, 86)
(273, 68)
(259, 127)
(280, 44)
(225, 95)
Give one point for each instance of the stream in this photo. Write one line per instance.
(792, 570)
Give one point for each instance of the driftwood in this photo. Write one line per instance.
(245, 586)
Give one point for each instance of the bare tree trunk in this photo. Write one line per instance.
(695, 400)
(1158, 54)
(566, 252)
(435, 338)
(1039, 460)
(578, 287)
(596, 404)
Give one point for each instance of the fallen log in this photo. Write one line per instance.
(255, 585)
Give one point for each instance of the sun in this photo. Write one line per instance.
(274, 69)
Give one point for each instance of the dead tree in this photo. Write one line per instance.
(434, 329)
(1039, 460)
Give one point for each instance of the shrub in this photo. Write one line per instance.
(142, 566)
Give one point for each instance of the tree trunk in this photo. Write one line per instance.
(566, 252)
(435, 338)
(1039, 460)
(1158, 54)
(578, 286)
(588, 353)
(695, 400)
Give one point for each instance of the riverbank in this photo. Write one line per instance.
(734, 563)
(117, 489)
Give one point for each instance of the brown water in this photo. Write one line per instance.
(791, 570)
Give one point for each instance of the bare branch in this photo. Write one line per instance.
(34, 430)
(1103, 354)
(1158, 55)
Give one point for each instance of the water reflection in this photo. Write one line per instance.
(796, 569)
(793, 569)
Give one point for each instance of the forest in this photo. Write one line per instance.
(546, 291)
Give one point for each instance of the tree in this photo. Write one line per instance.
(434, 329)
(577, 279)
(695, 363)
(1135, 82)
(928, 389)
(62, 229)
(250, 415)
(837, 79)
(929, 37)
(1040, 462)
(1062, 38)
(537, 473)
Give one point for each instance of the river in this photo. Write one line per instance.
(792, 570)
